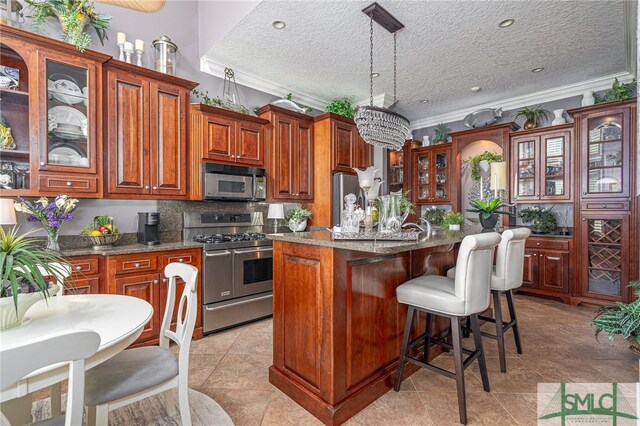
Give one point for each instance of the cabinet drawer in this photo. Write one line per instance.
(133, 263)
(83, 286)
(70, 184)
(85, 266)
(188, 258)
(548, 243)
(605, 205)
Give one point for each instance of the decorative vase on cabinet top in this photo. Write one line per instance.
(587, 98)
(559, 119)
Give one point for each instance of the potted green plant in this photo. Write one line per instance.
(434, 216)
(543, 220)
(22, 281)
(441, 133)
(452, 220)
(74, 16)
(297, 219)
(488, 211)
(474, 162)
(619, 92)
(343, 106)
(532, 116)
(622, 319)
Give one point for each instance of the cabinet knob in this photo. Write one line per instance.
(537, 244)
(42, 163)
(155, 281)
(155, 187)
(78, 268)
(164, 280)
(583, 219)
(584, 193)
(604, 206)
(137, 265)
(68, 183)
(181, 260)
(535, 254)
(146, 187)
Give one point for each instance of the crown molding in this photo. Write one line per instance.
(381, 101)
(562, 92)
(209, 66)
(630, 35)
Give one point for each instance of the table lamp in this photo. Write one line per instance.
(7, 212)
(499, 177)
(276, 211)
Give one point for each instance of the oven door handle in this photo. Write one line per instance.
(254, 250)
(216, 254)
(270, 296)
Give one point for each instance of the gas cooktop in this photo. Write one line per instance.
(229, 238)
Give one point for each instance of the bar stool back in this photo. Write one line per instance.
(466, 295)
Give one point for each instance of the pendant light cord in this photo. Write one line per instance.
(394, 66)
(371, 64)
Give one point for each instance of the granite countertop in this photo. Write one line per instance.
(323, 239)
(130, 248)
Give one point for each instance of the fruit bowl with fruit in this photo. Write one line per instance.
(102, 233)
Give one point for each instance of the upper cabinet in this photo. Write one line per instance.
(542, 164)
(290, 154)
(145, 132)
(225, 136)
(348, 149)
(431, 170)
(605, 135)
(50, 106)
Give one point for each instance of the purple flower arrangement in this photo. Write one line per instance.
(51, 215)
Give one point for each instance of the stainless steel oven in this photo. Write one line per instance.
(252, 271)
(226, 182)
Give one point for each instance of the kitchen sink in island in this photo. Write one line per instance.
(337, 325)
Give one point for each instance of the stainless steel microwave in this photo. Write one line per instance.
(233, 183)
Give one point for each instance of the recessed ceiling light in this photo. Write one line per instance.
(375, 74)
(538, 69)
(476, 89)
(424, 101)
(278, 25)
(506, 23)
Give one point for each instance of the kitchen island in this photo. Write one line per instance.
(337, 325)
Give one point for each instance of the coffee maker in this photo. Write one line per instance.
(148, 233)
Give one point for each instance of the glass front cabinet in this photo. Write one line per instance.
(50, 110)
(541, 164)
(431, 166)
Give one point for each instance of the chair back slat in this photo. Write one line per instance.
(185, 321)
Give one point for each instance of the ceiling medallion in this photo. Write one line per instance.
(381, 126)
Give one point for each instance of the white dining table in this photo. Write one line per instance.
(119, 320)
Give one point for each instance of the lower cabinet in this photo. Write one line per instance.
(138, 275)
(547, 267)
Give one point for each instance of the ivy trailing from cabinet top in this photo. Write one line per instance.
(489, 156)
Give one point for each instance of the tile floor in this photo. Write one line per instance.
(558, 344)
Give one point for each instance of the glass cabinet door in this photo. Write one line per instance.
(69, 105)
(424, 177)
(441, 180)
(525, 154)
(396, 171)
(604, 162)
(556, 167)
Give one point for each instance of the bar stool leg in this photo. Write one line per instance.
(405, 343)
(427, 340)
(456, 332)
(497, 307)
(477, 338)
(512, 315)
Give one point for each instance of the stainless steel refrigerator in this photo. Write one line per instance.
(343, 184)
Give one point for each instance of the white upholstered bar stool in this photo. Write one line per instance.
(465, 296)
(138, 373)
(506, 277)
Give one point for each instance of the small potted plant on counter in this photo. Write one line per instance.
(452, 220)
(488, 211)
(24, 266)
(622, 319)
(543, 220)
(297, 219)
(434, 216)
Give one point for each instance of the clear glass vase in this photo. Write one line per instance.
(52, 239)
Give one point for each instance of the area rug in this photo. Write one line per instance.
(151, 412)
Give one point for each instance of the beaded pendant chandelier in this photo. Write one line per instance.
(381, 126)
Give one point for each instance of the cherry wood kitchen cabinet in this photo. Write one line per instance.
(142, 275)
(146, 132)
(542, 164)
(547, 267)
(348, 149)
(289, 154)
(431, 170)
(85, 275)
(54, 114)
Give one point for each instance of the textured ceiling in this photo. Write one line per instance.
(445, 48)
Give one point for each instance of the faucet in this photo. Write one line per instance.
(426, 229)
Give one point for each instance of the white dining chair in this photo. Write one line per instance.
(138, 373)
(72, 346)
